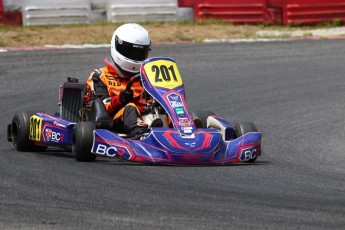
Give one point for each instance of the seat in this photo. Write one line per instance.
(99, 115)
(72, 95)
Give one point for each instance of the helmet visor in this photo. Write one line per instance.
(132, 51)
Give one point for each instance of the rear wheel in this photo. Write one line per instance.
(202, 115)
(82, 141)
(20, 131)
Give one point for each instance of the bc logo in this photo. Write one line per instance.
(53, 136)
(111, 151)
(106, 150)
(248, 154)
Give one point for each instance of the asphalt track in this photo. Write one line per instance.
(294, 91)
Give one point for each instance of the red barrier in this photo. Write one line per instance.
(313, 11)
(1, 11)
(299, 12)
(10, 18)
(236, 11)
(275, 3)
(275, 9)
(185, 3)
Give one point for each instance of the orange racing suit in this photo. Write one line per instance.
(107, 83)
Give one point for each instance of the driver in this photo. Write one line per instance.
(130, 46)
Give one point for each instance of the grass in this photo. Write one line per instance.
(3, 44)
(159, 31)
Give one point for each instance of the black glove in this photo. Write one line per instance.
(126, 96)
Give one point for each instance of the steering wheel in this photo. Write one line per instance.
(132, 80)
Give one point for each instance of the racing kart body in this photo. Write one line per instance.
(197, 137)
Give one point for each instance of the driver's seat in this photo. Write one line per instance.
(99, 115)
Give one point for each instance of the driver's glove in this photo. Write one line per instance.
(126, 96)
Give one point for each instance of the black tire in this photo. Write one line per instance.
(20, 131)
(202, 115)
(242, 128)
(82, 141)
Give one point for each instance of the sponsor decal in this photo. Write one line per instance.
(137, 46)
(184, 122)
(53, 136)
(175, 100)
(107, 150)
(112, 78)
(248, 154)
(185, 125)
(191, 145)
(176, 104)
(174, 97)
(179, 110)
(187, 131)
(56, 123)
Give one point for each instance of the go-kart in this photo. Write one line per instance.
(184, 137)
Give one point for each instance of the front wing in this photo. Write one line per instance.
(166, 146)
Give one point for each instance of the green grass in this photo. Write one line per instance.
(3, 44)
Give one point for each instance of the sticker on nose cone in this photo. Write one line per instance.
(248, 154)
(163, 73)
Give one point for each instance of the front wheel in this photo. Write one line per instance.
(242, 128)
(201, 117)
(20, 131)
(82, 141)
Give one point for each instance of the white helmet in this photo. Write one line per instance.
(130, 46)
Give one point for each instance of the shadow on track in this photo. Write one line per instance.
(67, 153)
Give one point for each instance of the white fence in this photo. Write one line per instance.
(139, 10)
(43, 12)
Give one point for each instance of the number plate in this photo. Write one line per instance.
(163, 73)
(35, 128)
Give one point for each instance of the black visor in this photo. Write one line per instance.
(132, 51)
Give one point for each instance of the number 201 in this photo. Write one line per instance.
(165, 73)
